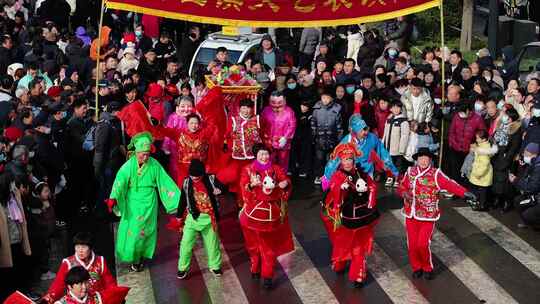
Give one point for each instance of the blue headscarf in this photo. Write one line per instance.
(356, 123)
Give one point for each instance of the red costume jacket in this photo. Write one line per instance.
(100, 276)
(264, 212)
(348, 205)
(241, 135)
(420, 191)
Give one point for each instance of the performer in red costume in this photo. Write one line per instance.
(77, 281)
(202, 140)
(420, 191)
(263, 218)
(100, 276)
(349, 215)
(243, 132)
(192, 143)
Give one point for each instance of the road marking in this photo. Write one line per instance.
(305, 278)
(225, 289)
(392, 280)
(504, 237)
(140, 282)
(464, 268)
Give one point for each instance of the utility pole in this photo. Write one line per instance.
(493, 27)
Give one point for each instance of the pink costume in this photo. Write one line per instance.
(278, 124)
(179, 123)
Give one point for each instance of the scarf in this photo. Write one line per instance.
(261, 167)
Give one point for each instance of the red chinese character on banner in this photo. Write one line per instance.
(226, 4)
(336, 4)
(272, 5)
(198, 2)
(303, 8)
(371, 3)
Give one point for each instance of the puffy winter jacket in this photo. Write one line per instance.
(463, 131)
(396, 135)
(326, 125)
(425, 111)
(482, 171)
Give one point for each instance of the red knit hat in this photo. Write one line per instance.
(154, 90)
(128, 37)
(54, 91)
(13, 134)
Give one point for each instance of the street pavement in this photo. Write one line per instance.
(478, 258)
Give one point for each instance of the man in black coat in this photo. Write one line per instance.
(6, 57)
(109, 153)
(80, 177)
(148, 67)
(189, 45)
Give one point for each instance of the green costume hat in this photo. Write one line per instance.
(141, 142)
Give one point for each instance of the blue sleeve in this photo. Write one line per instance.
(385, 156)
(331, 167)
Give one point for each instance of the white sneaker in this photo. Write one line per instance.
(448, 195)
(317, 181)
(302, 175)
(49, 275)
(389, 182)
(396, 184)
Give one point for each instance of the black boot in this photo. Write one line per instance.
(256, 276)
(507, 206)
(358, 284)
(428, 275)
(267, 283)
(417, 274)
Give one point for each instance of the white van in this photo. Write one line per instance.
(238, 47)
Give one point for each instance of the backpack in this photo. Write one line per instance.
(89, 139)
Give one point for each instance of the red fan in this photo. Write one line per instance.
(18, 298)
(114, 295)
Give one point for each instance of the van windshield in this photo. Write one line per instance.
(205, 55)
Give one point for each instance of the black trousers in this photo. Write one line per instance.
(321, 157)
(482, 193)
(401, 163)
(529, 214)
(454, 161)
(301, 154)
(17, 277)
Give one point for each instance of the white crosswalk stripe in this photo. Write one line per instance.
(465, 269)
(504, 237)
(392, 280)
(225, 289)
(305, 278)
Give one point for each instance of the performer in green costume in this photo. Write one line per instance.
(134, 198)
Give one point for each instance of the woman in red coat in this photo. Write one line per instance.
(263, 218)
(349, 215)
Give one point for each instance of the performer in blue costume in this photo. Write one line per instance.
(366, 142)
